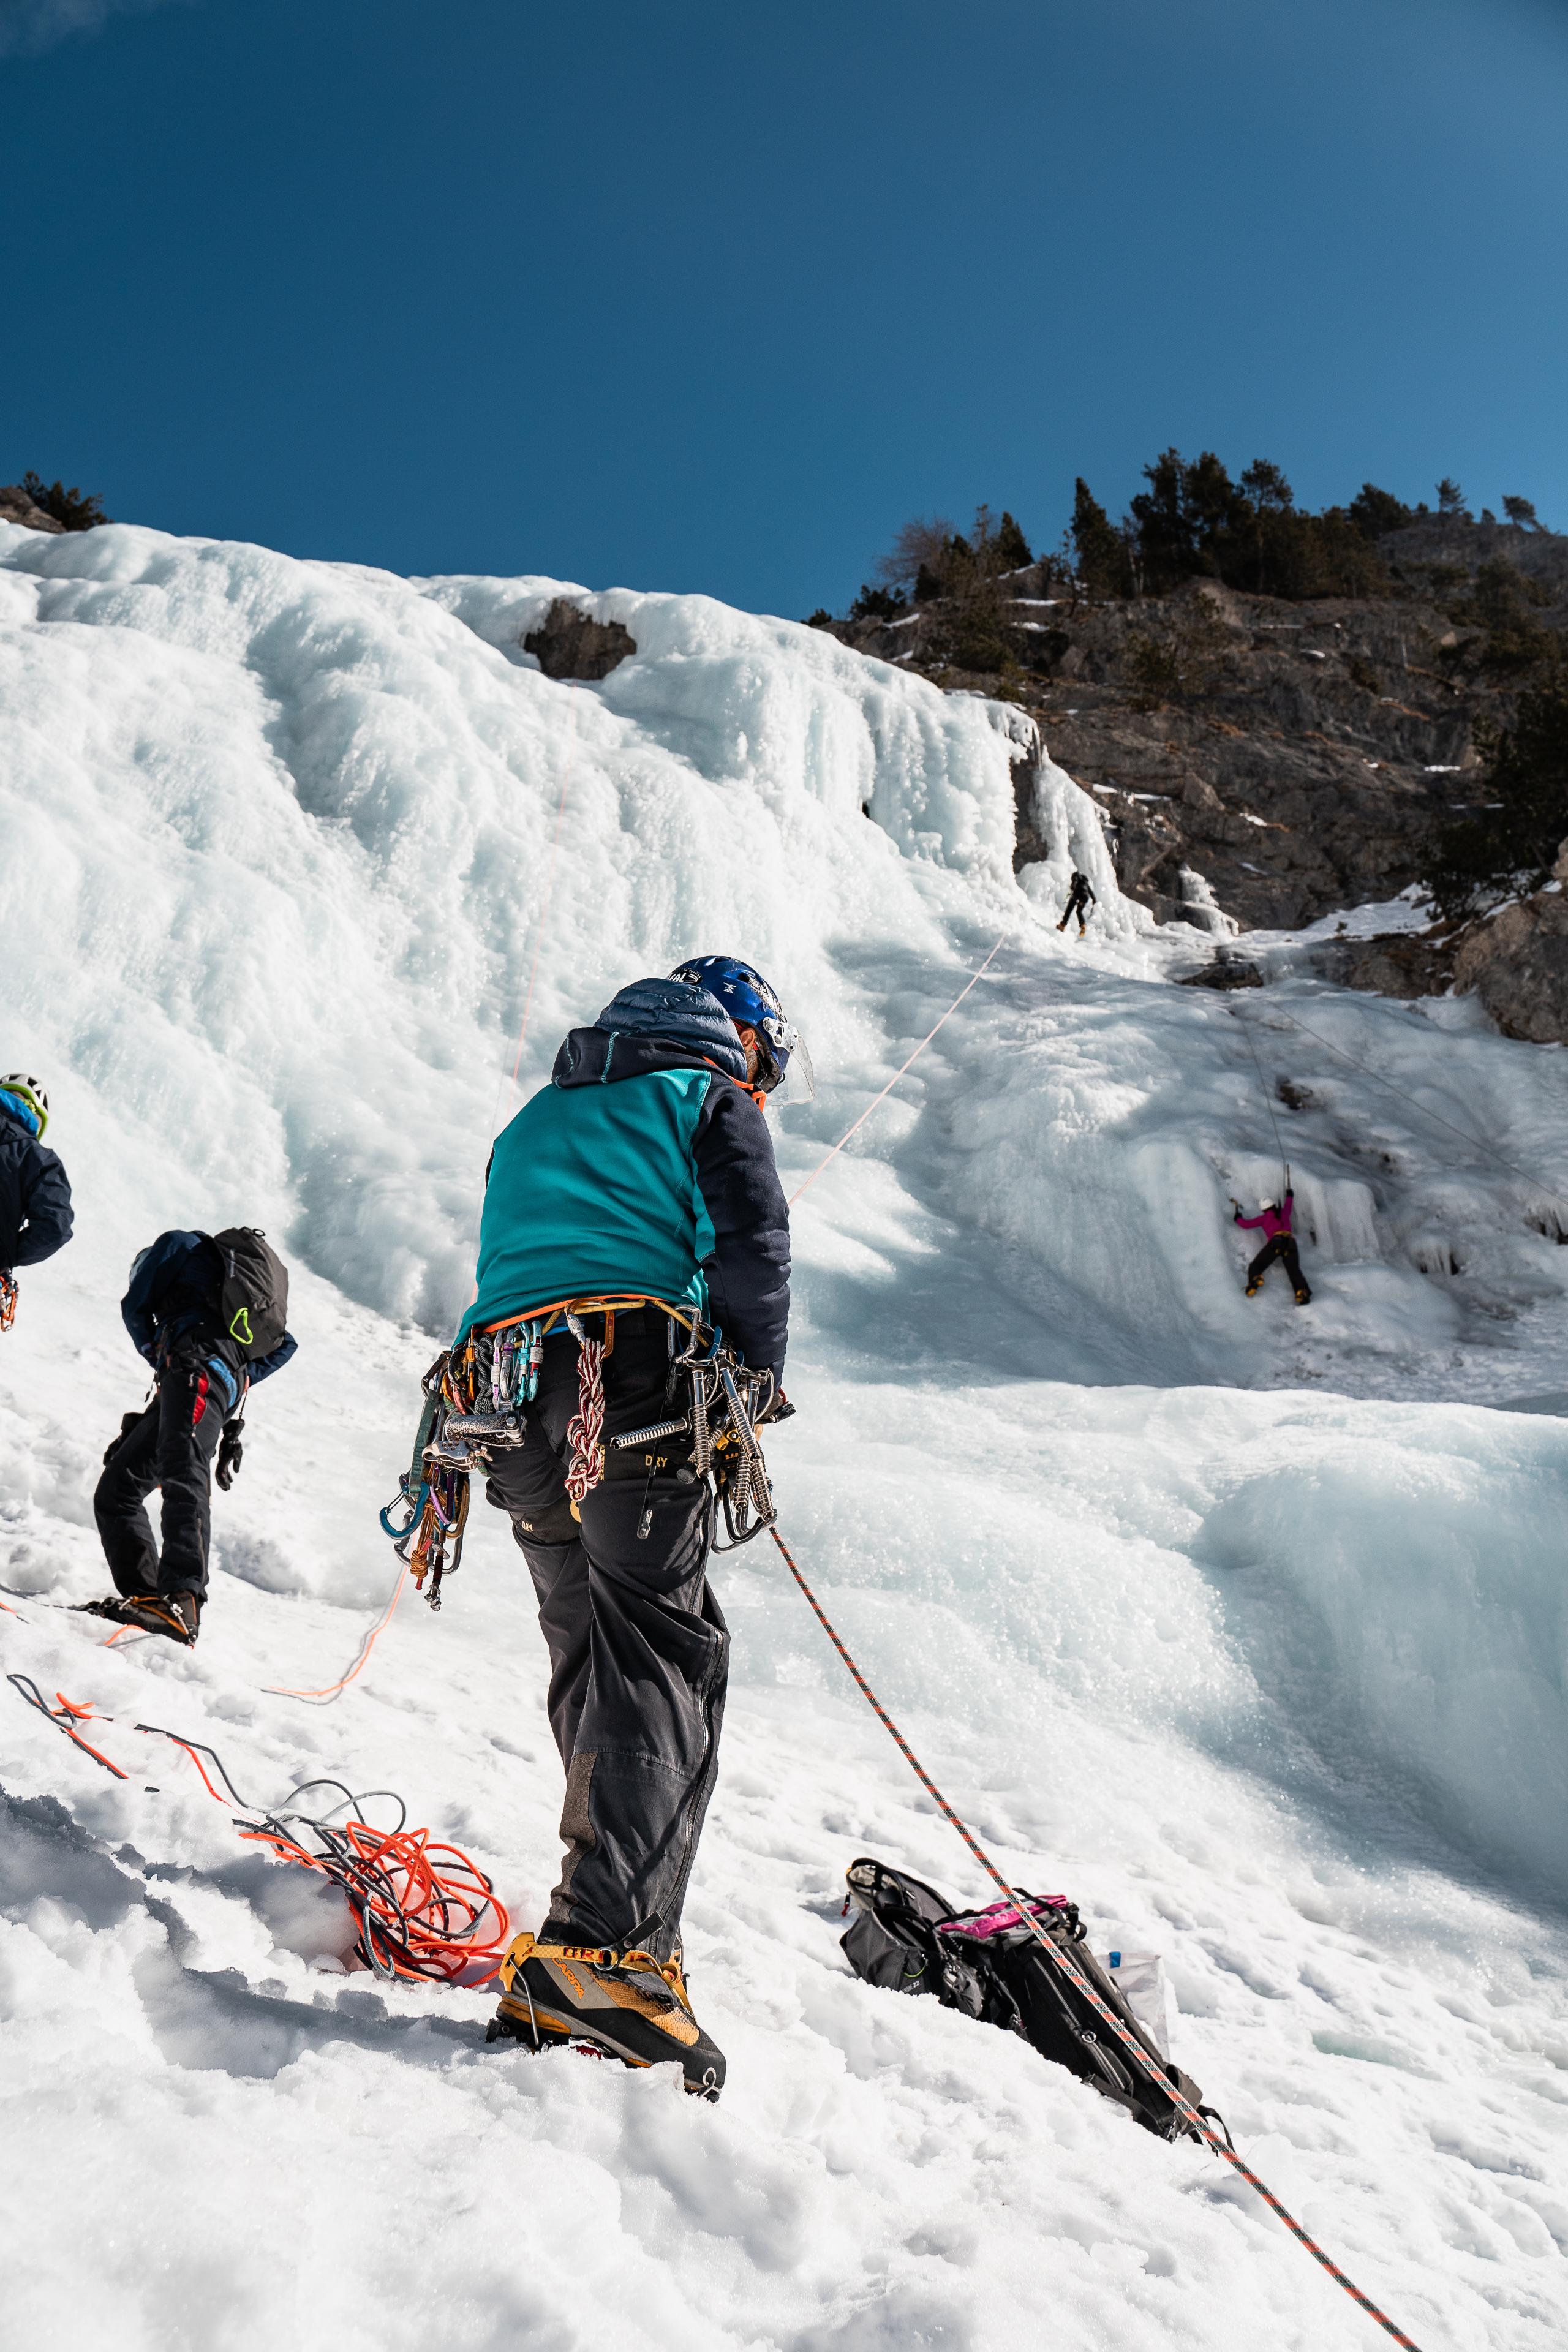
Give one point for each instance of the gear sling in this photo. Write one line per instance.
(613, 1430)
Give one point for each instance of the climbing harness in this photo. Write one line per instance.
(1197, 2123)
(426, 1910)
(476, 1403)
(9, 1295)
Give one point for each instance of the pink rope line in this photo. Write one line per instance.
(898, 1074)
(1196, 2121)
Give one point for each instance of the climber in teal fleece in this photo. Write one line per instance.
(644, 1166)
(643, 1170)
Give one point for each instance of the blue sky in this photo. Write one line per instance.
(713, 297)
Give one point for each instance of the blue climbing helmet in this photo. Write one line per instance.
(751, 1003)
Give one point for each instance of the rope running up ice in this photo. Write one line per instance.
(1140, 2057)
(1477, 1142)
(899, 1073)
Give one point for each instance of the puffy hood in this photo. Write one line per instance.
(654, 1024)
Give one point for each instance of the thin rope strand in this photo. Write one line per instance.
(361, 1661)
(1477, 1142)
(898, 1074)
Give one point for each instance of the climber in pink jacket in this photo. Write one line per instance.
(1274, 1217)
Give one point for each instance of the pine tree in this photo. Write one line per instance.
(1450, 498)
(1375, 511)
(1100, 549)
(1521, 510)
(1012, 550)
(73, 508)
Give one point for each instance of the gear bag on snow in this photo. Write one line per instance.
(987, 1963)
(253, 1305)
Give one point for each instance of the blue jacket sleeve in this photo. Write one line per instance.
(261, 1368)
(45, 1208)
(748, 1272)
(152, 1272)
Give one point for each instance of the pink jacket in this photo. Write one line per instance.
(1273, 1221)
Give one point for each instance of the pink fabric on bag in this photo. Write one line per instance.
(1000, 1916)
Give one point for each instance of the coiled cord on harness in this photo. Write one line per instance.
(585, 1432)
(1196, 2120)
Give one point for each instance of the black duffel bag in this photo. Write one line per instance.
(990, 1966)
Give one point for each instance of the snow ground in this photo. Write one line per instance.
(1242, 1626)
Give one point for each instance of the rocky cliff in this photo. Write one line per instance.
(1280, 759)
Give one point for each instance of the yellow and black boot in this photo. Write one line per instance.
(178, 1614)
(627, 2004)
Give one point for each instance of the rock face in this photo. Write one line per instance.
(1517, 962)
(16, 507)
(1292, 756)
(569, 643)
(1398, 963)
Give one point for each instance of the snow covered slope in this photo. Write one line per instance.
(1211, 1613)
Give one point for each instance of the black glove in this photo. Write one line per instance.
(127, 1424)
(778, 1408)
(230, 1453)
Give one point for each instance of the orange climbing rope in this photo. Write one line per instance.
(422, 1906)
(367, 1644)
(66, 1717)
(1196, 2121)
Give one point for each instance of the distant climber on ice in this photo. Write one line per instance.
(1080, 898)
(36, 1216)
(1280, 1249)
(208, 1312)
(637, 1190)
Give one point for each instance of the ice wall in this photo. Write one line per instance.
(280, 860)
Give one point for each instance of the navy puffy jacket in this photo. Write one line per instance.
(36, 1217)
(175, 1284)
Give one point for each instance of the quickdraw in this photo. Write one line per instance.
(476, 1401)
(8, 1294)
(433, 1492)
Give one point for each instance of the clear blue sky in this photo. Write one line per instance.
(709, 296)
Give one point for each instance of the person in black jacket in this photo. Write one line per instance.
(171, 1311)
(644, 1171)
(36, 1216)
(1080, 898)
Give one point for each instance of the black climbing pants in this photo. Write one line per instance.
(1280, 1250)
(638, 1650)
(170, 1445)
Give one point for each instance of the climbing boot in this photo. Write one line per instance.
(1303, 1298)
(1253, 1288)
(176, 1615)
(626, 2004)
